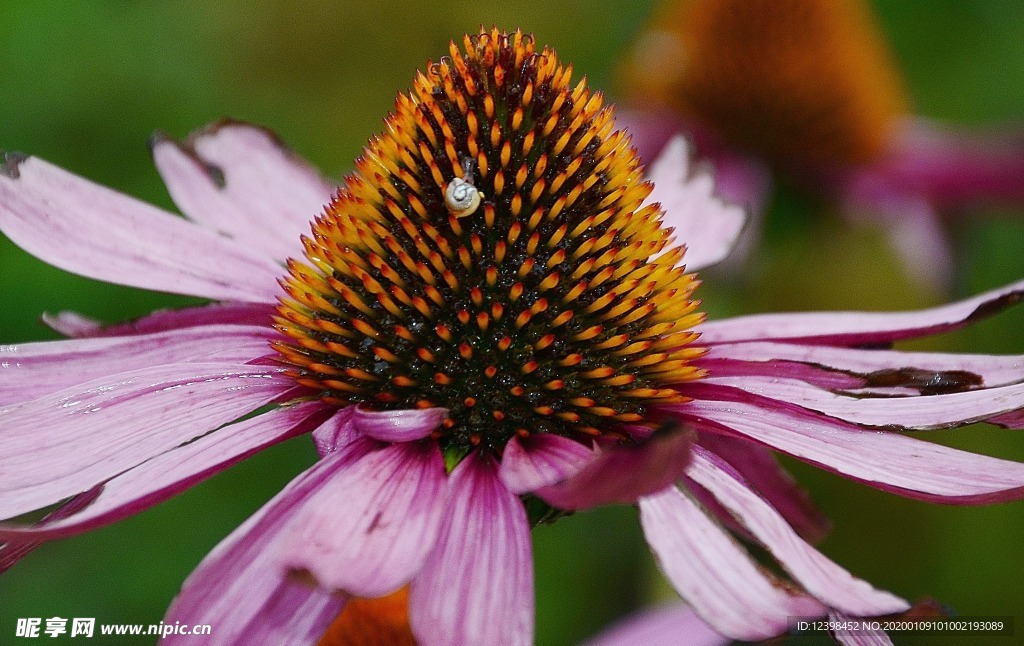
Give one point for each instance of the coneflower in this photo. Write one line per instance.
(490, 326)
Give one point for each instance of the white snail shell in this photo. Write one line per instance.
(461, 197)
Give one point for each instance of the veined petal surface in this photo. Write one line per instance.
(93, 231)
(714, 574)
(240, 180)
(883, 459)
(477, 585)
(247, 596)
(172, 472)
(861, 328)
(29, 370)
(367, 531)
(816, 573)
(91, 432)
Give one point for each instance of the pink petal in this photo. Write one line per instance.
(742, 180)
(241, 181)
(908, 210)
(920, 412)
(715, 509)
(30, 370)
(919, 238)
(69, 441)
(956, 167)
(242, 590)
(621, 474)
(739, 178)
(11, 553)
(293, 614)
(91, 230)
(883, 459)
(367, 530)
(861, 328)
(724, 366)
(273, 611)
(71, 324)
(670, 625)
(714, 574)
(704, 223)
(398, 425)
(477, 585)
(540, 460)
(76, 325)
(874, 368)
(170, 473)
(825, 580)
(763, 473)
(1013, 419)
(335, 433)
(857, 637)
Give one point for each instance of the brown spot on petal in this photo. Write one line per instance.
(11, 162)
(929, 382)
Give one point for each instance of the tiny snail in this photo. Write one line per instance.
(460, 196)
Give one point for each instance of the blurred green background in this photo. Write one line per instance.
(84, 84)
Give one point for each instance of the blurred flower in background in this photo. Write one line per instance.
(811, 90)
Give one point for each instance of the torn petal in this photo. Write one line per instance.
(822, 578)
(909, 412)
(714, 574)
(766, 476)
(934, 371)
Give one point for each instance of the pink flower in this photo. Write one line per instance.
(809, 90)
(489, 318)
(120, 418)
